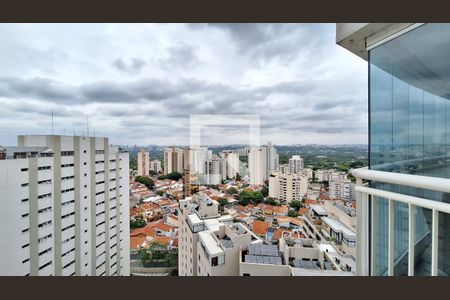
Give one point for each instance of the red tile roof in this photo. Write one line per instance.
(283, 209)
(303, 210)
(260, 227)
(136, 241)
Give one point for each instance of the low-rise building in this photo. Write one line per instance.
(340, 189)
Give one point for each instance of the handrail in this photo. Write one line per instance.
(417, 181)
(420, 202)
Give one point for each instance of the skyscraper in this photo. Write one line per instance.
(173, 160)
(256, 165)
(403, 225)
(261, 162)
(64, 207)
(295, 164)
(143, 163)
(232, 163)
(155, 166)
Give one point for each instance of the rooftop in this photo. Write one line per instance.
(319, 209)
(338, 226)
(263, 254)
(211, 245)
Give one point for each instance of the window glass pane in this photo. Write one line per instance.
(409, 91)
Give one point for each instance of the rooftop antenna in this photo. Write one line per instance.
(87, 125)
(93, 129)
(52, 121)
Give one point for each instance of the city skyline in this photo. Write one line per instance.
(308, 94)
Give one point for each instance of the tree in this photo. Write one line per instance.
(265, 191)
(174, 176)
(257, 197)
(293, 213)
(171, 258)
(145, 180)
(246, 197)
(162, 177)
(232, 191)
(295, 204)
(137, 223)
(223, 202)
(160, 193)
(272, 201)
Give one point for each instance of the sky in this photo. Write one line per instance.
(139, 84)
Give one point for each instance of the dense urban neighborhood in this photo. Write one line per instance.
(230, 205)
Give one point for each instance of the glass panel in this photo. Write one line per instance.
(381, 213)
(444, 248)
(401, 221)
(422, 248)
(409, 91)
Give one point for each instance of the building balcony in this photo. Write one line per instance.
(369, 199)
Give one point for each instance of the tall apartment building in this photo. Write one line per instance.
(173, 160)
(196, 158)
(295, 164)
(215, 170)
(243, 151)
(64, 207)
(403, 223)
(287, 187)
(143, 163)
(261, 162)
(155, 166)
(232, 160)
(256, 165)
(340, 188)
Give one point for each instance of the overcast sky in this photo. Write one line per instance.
(139, 83)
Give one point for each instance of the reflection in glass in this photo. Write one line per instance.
(410, 133)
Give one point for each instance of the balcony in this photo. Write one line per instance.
(368, 197)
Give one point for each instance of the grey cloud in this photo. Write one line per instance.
(265, 42)
(41, 88)
(133, 66)
(286, 73)
(183, 56)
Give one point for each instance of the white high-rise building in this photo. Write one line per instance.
(287, 187)
(256, 165)
(261, 162)
(64, 207)
(143, 163)
(271, 159)
(173, 160)
(155, 166)
(196, 158)
(295, 164)
(232, 161)
(215, 170)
